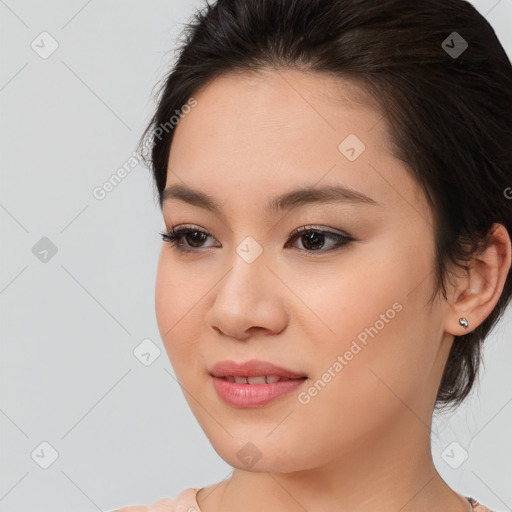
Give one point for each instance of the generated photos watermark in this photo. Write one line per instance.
(304, 397)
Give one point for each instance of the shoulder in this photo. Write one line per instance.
(163, 505)
(477, 507)
(185, 500)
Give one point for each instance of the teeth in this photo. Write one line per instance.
(260, 379)
(256, 380)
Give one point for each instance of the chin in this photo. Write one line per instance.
(261, 454)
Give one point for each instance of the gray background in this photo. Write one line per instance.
(123, 431)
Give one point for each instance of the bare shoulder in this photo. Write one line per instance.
(481, 508)
(163, 505)
(478, 507)
(185, 500)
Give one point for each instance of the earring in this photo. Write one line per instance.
(463, 321)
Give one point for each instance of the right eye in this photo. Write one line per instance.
(194, 237)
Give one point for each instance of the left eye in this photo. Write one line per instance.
(313, 239)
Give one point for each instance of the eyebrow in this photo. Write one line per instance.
(287, 201)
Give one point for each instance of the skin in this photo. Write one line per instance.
(363, 442)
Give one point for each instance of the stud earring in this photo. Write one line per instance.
(463, 321)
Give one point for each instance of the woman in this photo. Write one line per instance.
(337, 243)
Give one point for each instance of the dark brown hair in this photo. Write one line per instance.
(448, 108)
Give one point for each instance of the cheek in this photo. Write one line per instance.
(374, 382)
(178, 311)
(380, 326)
(345, 302)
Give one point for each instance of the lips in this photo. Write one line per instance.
(254, 383)
(234, 371)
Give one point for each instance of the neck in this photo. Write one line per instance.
(389, 472)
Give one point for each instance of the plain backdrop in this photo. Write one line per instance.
(88, 420)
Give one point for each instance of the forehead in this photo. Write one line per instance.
(261, 133)
(276, 106)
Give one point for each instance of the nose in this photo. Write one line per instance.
(249, 299)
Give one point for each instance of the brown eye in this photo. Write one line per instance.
(195, 237)
(314, 240)
(185, 239)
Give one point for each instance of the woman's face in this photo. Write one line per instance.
(352, 317)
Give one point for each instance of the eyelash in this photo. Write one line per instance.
(176, 234)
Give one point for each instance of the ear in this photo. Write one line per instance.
(476, 293)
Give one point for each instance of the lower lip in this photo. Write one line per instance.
(253, 395)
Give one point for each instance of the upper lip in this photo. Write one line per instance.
(252, 368)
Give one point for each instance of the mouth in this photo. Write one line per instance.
(253, 372)
(254, 383)
(259, 379)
